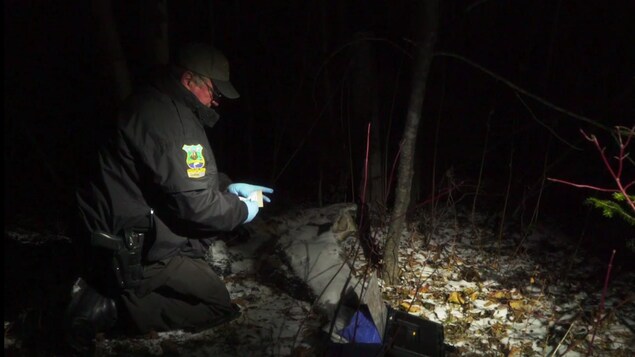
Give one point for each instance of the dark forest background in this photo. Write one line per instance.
(312, 74)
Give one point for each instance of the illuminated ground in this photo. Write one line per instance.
(509, 295)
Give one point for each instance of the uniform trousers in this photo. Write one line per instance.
(179, 293)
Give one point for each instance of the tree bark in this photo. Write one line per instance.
(423, 59)
(365, 101)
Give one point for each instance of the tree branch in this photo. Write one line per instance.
(523, 91)
(616, 174)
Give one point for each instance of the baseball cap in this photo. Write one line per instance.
(210, 62)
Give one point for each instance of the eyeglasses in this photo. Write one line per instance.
(213, 93)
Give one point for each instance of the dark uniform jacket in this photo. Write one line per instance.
(159, 159)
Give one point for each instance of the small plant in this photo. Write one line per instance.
(621, 203)
(614, 207)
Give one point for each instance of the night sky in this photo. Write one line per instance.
(312, 74)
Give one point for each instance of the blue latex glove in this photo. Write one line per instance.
(245, 189)
(252, 210)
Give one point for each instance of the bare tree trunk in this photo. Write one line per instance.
(423, 60)
(365, 108)
(115, 60)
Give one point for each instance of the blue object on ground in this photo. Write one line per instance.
(361, 329)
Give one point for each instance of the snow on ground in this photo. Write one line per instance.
(517, 295)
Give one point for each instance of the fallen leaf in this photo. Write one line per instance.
(456, 298)
(516, 304)
(499, 295)
(514, 351)
(410, 307)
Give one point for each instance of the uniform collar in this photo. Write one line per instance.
(171, 86)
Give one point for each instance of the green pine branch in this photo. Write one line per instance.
(612, 208)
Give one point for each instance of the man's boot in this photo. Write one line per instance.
(88, 313)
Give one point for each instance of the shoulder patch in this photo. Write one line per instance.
(194, 160)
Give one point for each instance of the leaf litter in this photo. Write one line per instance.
(518, 295)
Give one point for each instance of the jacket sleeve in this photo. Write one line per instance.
(206, 210)
(183, 183)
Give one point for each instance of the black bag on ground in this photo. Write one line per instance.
(412, 336)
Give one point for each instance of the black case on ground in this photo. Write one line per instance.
(412, 336)
(405, 336)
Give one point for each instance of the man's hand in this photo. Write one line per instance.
(245, 190)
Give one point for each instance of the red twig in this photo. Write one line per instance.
(584, 186)
(600, 317)
(624, 137)
(439, 195)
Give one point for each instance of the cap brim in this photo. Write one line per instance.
(226, 89)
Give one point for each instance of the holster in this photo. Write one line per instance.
(126, 252)
(126, 255)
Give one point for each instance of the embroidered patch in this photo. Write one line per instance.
(194, 160)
